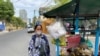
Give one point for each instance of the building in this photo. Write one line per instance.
(23, 15)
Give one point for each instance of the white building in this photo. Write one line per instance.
(23, 15)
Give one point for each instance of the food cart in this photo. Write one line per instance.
(75, 10)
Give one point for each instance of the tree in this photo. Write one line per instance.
(6, 10)
(17, 22)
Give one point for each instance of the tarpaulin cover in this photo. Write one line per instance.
(86, 7)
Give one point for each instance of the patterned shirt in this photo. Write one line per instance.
(32, 46)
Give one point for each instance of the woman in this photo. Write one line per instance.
(39, 45)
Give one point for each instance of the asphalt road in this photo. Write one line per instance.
(16, 44)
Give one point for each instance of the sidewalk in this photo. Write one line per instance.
(52, 46)
(3, 32)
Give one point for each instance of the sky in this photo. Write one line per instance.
(30, 6)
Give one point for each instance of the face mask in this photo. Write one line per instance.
(38, 32)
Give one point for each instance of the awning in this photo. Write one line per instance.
(87, 8)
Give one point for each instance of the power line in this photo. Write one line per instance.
(46, 3)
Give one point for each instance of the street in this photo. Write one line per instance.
(16, 44)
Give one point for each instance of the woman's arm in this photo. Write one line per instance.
(31, 44)
(30, 48)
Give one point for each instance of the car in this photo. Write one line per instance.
(30, 30)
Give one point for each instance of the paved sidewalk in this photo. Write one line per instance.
(5, 31)
(2, 32)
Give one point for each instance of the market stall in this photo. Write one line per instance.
(45, 23)
(76, 9)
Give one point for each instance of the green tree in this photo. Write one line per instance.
(13, 21)
(17, 22)
(6, 10)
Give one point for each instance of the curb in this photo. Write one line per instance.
(4, 32)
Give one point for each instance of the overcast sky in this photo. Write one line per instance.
(30, 6)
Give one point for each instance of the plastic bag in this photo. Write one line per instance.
(73, 41)
(89, 43)
(62, 41)
(56, 30)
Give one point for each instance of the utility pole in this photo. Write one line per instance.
(34, 19)
(29, 21)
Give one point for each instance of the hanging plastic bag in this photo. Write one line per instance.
(62, 41)
(73, 41)
(89, 43)
(56, 30)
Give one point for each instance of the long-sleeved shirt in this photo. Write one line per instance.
(36, 42)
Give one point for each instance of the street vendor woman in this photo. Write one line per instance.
(38, 45)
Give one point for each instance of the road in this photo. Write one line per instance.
(16, 44)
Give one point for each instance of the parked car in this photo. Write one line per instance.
(30, 30)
